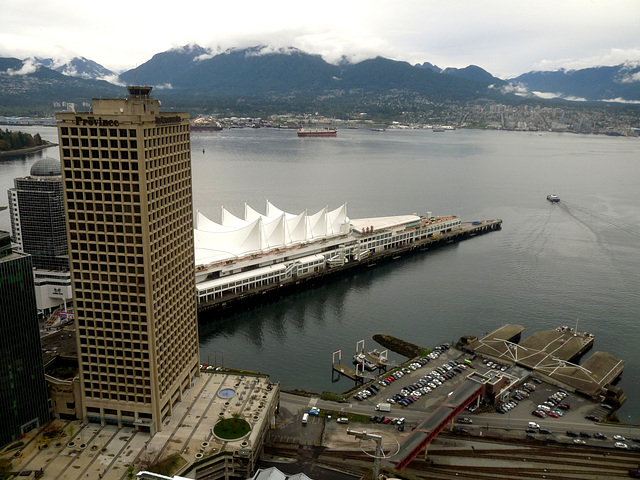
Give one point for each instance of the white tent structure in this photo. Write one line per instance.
(256, 234)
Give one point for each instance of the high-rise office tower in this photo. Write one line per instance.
(126, 171)
(23, 391)
(37, 215)
(36, 207)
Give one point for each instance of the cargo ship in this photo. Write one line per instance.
(205, 127)
(318, 132)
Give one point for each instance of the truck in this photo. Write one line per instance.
(383, 407)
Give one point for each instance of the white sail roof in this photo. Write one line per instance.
(256, 233)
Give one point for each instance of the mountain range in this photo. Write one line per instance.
(193, 77)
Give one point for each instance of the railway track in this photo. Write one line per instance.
(482, 459)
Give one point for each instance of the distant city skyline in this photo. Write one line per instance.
(504, 38)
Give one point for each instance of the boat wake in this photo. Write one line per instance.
(607, 220)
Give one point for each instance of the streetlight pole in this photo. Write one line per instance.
(378, 439)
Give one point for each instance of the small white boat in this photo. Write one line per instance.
(553, 198)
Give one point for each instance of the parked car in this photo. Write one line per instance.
(599, 436)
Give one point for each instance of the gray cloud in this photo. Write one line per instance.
(504, 37)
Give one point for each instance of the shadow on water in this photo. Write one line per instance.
(312, 302)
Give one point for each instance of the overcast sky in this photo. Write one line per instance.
(504, 37)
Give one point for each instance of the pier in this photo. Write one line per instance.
(261, 294)
(552, 355)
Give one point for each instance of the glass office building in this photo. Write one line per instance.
(36, 205)
(23, 392)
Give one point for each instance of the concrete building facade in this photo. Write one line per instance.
(126, 172)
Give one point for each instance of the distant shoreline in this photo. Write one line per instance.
(22, 151)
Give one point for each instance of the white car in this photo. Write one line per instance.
(620, 445)
(620, 438)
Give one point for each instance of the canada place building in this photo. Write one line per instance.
(126, 172)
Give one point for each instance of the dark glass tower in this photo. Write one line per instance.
(37, 215)
(23, 392)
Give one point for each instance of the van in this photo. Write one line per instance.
(305, 418)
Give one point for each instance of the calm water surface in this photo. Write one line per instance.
(551, 264)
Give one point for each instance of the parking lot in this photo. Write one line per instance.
(420, 385)
(413, 390)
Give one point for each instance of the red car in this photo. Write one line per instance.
(553, 414)
(538, 413)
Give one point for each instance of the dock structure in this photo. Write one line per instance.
(347, 372)
(552, 354)
(359, 375)
(350, 258)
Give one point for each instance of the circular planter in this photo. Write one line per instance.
(71, 444)
(231, 428)
(199, 455)
(204, 444)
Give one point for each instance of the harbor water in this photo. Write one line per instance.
(552, 264)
